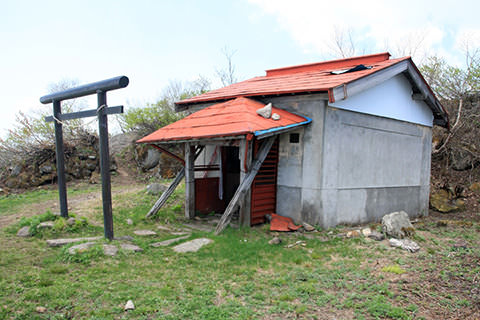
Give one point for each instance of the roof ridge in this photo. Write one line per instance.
(329, 65)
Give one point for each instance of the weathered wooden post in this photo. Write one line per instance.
(100, 88)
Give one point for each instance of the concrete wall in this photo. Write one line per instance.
(299, 168)
(373, 166)
(390, 99)
(350, 167)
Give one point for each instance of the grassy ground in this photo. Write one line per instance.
(239, 275)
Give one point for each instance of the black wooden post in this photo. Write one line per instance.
(105, 164)
(62, 186)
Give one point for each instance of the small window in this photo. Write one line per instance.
(294, 137)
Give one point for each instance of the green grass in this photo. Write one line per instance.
(238, 276)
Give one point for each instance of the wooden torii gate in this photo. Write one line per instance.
(99, 88)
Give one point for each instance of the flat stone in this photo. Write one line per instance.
(45, 225)
(71, 221)
(266, 111)
(405, 244)
(397, 225)
(275, 116)
(24, 232)
(275, 240)
(163, 228)
(168, 242)
(192, 246)
(199, 227)
(130, 247)
(179, 233)
(127, 238)
(144, 233)
(375, 235)
(82, 247)
(308, 227)
(110, 250)
(62, 242)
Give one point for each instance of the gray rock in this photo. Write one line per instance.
(129, 305)
(145, 233)
(16, 171)
(130, 247)
(168, 242)
(405, 244)
(163, 228)
(82, 247)
(192, 246)
(127, 238)
(275, 116)
(156, 189)
(308, 227)
(129, 222)
(179, 233)
(375, 235)
(397, 225)
(275, 240)
(151, 159)
(46, 169)
(45, 225)
(24, 232)
(92, 157)
(266, 111)
(110, 250)
(62, 242)
(71, 221)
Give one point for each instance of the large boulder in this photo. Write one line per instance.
(397, 225)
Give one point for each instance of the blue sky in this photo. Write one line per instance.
(153, 42)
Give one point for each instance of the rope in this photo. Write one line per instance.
(103, 106)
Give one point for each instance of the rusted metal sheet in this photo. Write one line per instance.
(206, 196)
(264, 187)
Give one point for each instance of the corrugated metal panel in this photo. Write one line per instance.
(264, 186)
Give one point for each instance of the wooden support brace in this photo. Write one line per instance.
(174, 156)
(167, 193)
(245, 184)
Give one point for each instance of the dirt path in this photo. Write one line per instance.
(84, 204)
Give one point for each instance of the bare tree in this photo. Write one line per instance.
(227, 75)
(342, 43)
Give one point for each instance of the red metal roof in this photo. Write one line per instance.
(231, 118)
(314, 77)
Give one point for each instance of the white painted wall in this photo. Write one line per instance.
(390, 99)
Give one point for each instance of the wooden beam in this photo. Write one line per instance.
(245, 184)
(166, 194)
(84, 114)
(174, 156)
(245, 164)
(189, 181)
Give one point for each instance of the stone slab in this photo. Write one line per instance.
(192, 246)
(168, 242)
(62, 242)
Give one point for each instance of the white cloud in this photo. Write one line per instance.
(404, 27)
